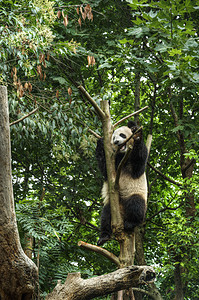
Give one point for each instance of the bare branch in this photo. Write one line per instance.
(94, 133)
(148, 143)
(88, 128)
(93, 103)
(24, 117)
(129, 116)
(101, 251)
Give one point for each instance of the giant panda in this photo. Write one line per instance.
(132, 181)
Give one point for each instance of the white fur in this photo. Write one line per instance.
(128, 187)
(117, 139)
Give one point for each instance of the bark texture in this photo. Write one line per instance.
(18, 274)
(187, 167)
(76, 288)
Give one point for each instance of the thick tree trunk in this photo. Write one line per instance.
(187, 166)
(76, 288)
(126, 241)
(18, 274)
(139, 253)
(139, 240)
(179, 295)
(116, 217)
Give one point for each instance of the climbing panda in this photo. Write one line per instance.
(132, 181)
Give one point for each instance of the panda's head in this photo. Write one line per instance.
(121, 134)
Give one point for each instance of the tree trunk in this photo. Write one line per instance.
(179, 295)
(139, 240)
(116, 217)
(18, 274)
(137, 95)
(187, 171)
(126, 241)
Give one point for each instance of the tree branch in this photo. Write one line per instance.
(88, 128)
(148, 143)
(76, 288)
(129, 116)
(93, 103)
(162, 210)
(180, 135)
(192, 161)
(137, 95)
(101, 251)
(123, 161)
(24, 117)
(144, 292)
(164, 176)
(94, 133)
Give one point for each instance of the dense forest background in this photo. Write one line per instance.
(133, 54)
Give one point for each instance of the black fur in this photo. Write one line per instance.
(134, 212)
(100, 155)
(134, 207)
(131, 124)
(105, 225)
(136, 163)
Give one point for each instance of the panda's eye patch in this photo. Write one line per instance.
(123, 135)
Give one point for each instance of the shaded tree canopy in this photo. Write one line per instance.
(133, 54)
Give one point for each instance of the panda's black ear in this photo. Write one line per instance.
(131, 124)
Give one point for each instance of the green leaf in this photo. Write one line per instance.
(105, 66)
(173, 52)
(61, 80)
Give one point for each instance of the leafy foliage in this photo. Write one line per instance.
(48, 48)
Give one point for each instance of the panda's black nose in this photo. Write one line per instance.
(116, 142)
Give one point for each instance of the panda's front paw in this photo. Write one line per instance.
(129, 226)
(134, 128)
(103, 240)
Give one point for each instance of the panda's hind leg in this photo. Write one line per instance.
(134, 212)
(105, 225)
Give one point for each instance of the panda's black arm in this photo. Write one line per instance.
(100, 156)
(138, 157)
